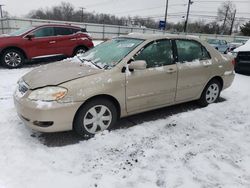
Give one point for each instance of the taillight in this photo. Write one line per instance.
(234, 62)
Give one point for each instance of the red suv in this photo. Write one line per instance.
(42, 42)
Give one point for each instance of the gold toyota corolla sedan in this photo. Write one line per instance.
(120, 77)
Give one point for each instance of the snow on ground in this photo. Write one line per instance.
(96, 42)
(204, 147)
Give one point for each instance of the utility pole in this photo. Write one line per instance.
(82, 8)
(186, 22)
(232, 24)
(166, 14)
(225, 19)
(1, 12)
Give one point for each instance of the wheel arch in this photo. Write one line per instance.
(218, 78)
(16, 48)
(79, 46)
(103, 96)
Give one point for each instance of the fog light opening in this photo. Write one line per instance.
(43, 123)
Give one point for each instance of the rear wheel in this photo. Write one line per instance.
(12, 58)
(211, 93)
(80, 50)
(95, 116)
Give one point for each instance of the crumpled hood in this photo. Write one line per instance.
(57, 73)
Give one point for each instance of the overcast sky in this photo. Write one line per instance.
(143, 8)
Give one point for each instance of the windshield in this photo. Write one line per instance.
(107, 54)
(213, 41)
(21, 31)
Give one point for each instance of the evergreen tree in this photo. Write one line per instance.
(245, 29)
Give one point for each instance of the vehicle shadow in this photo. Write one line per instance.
(70, 137)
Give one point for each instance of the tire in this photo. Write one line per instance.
(95, 116)
(12, 58)
(211, 93)
(80, 50)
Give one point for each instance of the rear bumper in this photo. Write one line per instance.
(228, 78)
(46, 116)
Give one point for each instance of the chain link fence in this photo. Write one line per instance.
(100, 31)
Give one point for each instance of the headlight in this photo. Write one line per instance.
(48, 93)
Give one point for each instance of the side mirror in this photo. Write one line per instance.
(138, 65)
(30, 36)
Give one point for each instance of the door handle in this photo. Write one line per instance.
(171, 70)
(52, 42)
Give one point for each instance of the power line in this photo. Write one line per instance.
(216, 1)
(146, 9)
(99, 4)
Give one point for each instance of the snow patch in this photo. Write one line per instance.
(42, 104)
(243, 48)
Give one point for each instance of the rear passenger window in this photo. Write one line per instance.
(75, 30)
(189, 50)
(157, 53)
(63, 31)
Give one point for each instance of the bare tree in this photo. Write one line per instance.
(226, 13)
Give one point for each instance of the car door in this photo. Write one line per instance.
(42, 44)
(66, 40)
(156, 85)
(194, 69)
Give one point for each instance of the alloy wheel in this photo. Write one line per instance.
(212, 93)
(12, 59)
(97, 119)
(80, 51)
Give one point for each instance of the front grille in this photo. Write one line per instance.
(22, 87)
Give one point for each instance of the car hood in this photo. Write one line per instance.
(57, 73)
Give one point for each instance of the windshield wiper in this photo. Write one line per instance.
(88, 60)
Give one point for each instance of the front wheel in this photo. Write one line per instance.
(211, 93)
(95, 116)
(12, 58)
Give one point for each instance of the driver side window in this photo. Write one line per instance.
(156, 54)
(44, 32)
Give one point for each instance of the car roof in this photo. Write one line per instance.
(158, 36)
(59, 25)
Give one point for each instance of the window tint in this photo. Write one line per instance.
(44, 32)
(157, 53)
(189, 50)
(75, 30)
(63, 31)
